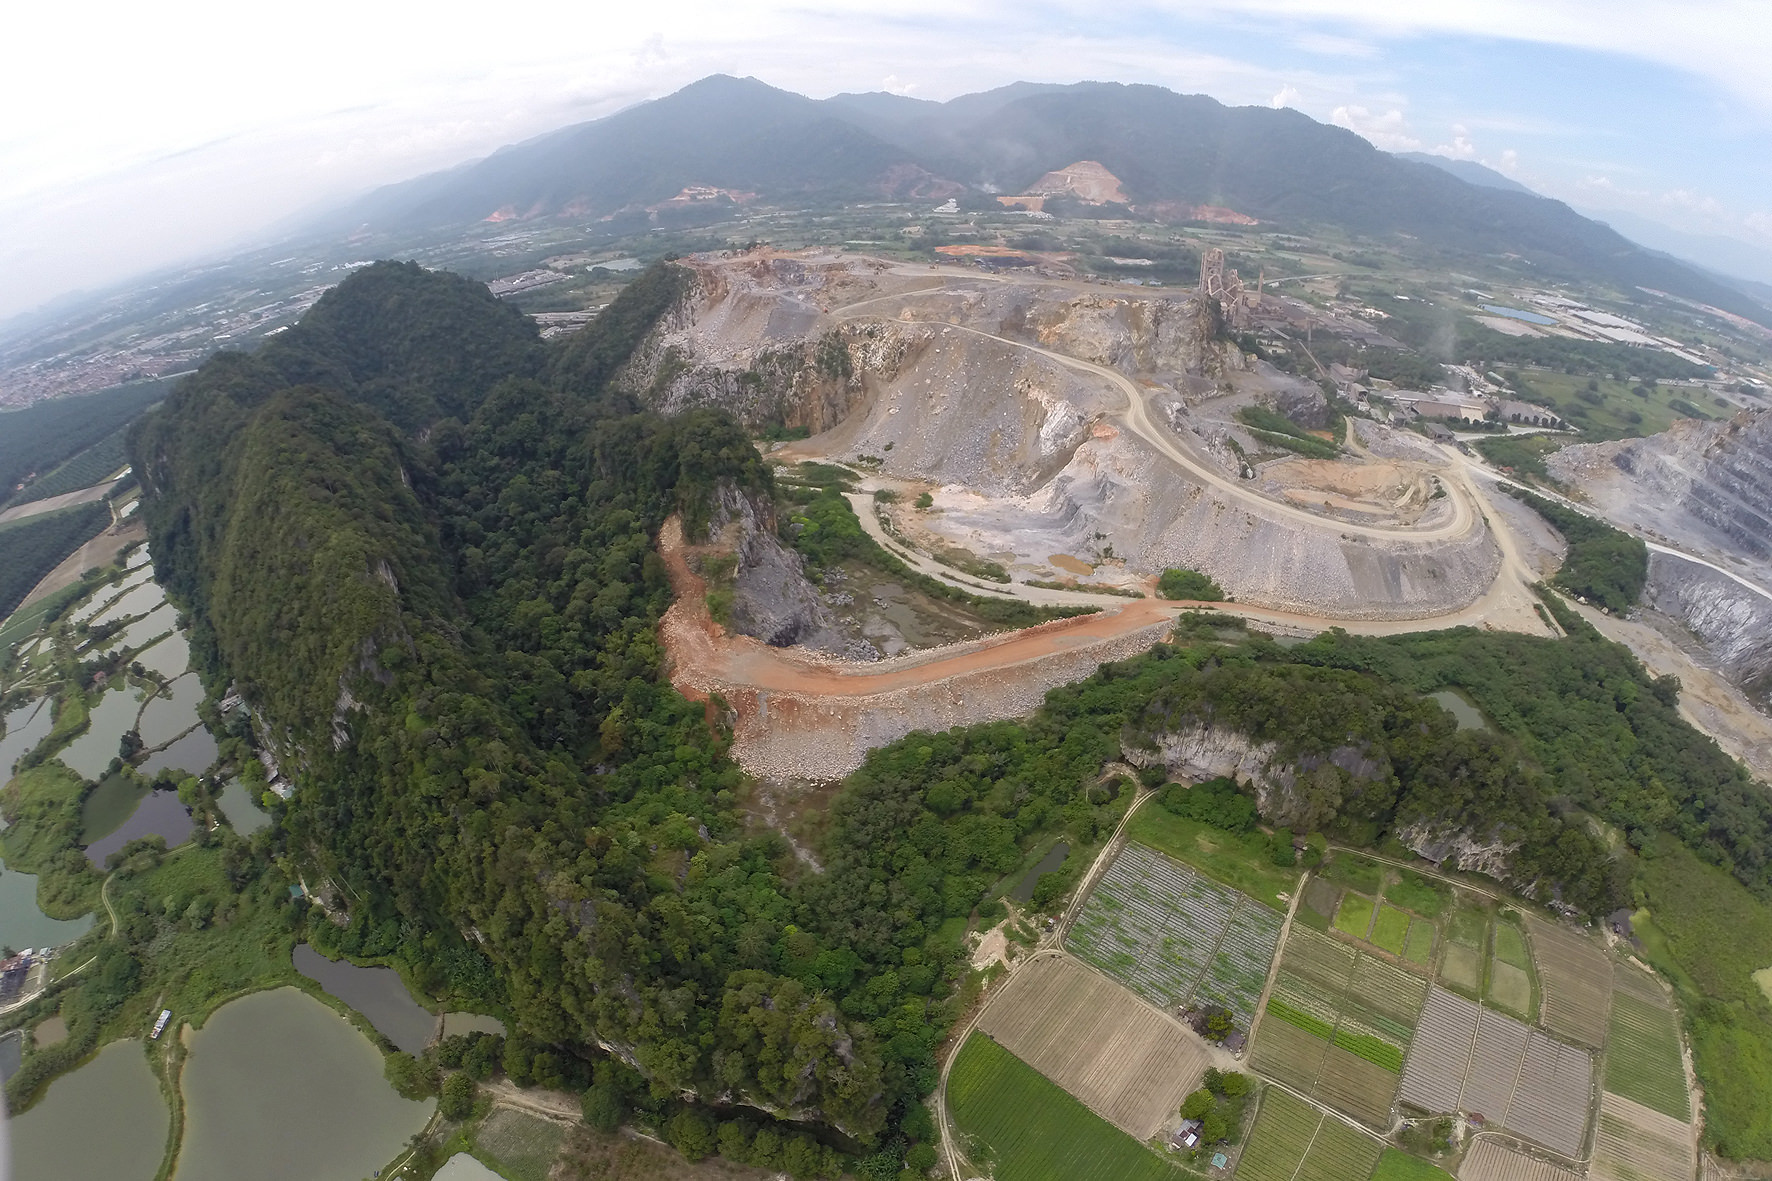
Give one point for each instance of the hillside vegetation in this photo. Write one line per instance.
(442, 603)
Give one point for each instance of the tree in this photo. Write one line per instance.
(457, 1101)
(604, 1107)
(1283, 853)
(1214, 1127)
(691, 1133)
(1196, 1105)
(408, 1075)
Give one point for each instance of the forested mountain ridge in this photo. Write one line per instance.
(1171, 151)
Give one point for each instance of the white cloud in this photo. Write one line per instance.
(1509, 162)
(891, 85)
(1461, 147)
(1384, 129)
(1287, 96)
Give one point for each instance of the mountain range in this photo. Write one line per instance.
(1171, 152)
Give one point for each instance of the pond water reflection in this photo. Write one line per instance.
(26, 726)
(1461, 707)
(92, 751)
(280, 1088)
(241, 809)
(114, 1096)
(377, 993)
(159, 812)
(169, 658)
(22, 924)
(193, 754)
(170, 714)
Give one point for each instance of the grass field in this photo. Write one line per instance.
(1412, 891)
(520, 1146)
(1028, 1129)
(1510, 946)
(1354, 872)
(1243, 862)
(1510, 988)
(1355, 915)
(1397, 1165)
(1469, 925)
(1418, 948)
(1390, 930)
(1461, 968)
(1643, 1056)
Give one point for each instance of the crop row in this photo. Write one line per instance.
(1284, 1131)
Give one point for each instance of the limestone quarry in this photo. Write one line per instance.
(1076, 434)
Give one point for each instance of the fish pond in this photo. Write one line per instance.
(114, 1095)
(377, 993)
(241, 809)
(1024, 889)
(193, 754)
(1460, 707)
(26, 726)
(92, 751)
(156, 813)
(23, 924)
(278, 1087)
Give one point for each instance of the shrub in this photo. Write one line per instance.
(457, 1101)
(1189, 585)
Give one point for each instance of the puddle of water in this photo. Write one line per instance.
(106, 1119)
(91, 752)
(1461, 707)
(192, 754)
(241, 809)
(26, 726)
(459, 1023)
(166, 717)
(280, 1088)
(1071, 565)
(169, 658)
(1024, 889)
(159, 812)
(50, 1030)
(138, 601)
(377, 993)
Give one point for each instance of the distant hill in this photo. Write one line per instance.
(1469, 171)
(1172, 152)
(1727, 256)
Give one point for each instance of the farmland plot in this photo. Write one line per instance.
(1643, 1056)
(1576, 978)
(1433, 1077)
(1288, 1053)
(1636, 1143)
(1419, 947)
(1283, 1132)
(1362, 1089)
(1123, 1060)
(1461, 967)
(1032, 1131)
(1293, 1141)
(1174, 936)
(1339, 1153)
(1510, 977)
(1470, 1059)
(1355, 915)
(1489, 1161)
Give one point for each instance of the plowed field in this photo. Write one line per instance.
(1126, 1062)
(1489, 1161)
(1576, 978)
(1636, 1143)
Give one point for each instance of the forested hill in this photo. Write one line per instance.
(1171, 151)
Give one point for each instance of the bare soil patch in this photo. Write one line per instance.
(1489, 1161)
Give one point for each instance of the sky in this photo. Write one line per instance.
(138, 136)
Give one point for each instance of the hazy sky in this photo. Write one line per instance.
(140, 135)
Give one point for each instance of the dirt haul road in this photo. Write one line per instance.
(798, 714)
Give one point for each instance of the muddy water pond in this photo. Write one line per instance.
(241, 809)
(455, 1024)
(12, 1052)
(278, 1087)
(462, 1167)
(92, 751)
(377, 993)
(159, 813)
(106, 1119)
(1024, 889)
(1461, 707)
(26, 726)
(23, 925)
(192, 754)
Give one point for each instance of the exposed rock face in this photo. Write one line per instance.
(772, 600)
(1706, 486)
(1301, 795)
(1733, 622)
(1438, 843)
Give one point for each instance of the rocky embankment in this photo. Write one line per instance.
(1732, 621)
